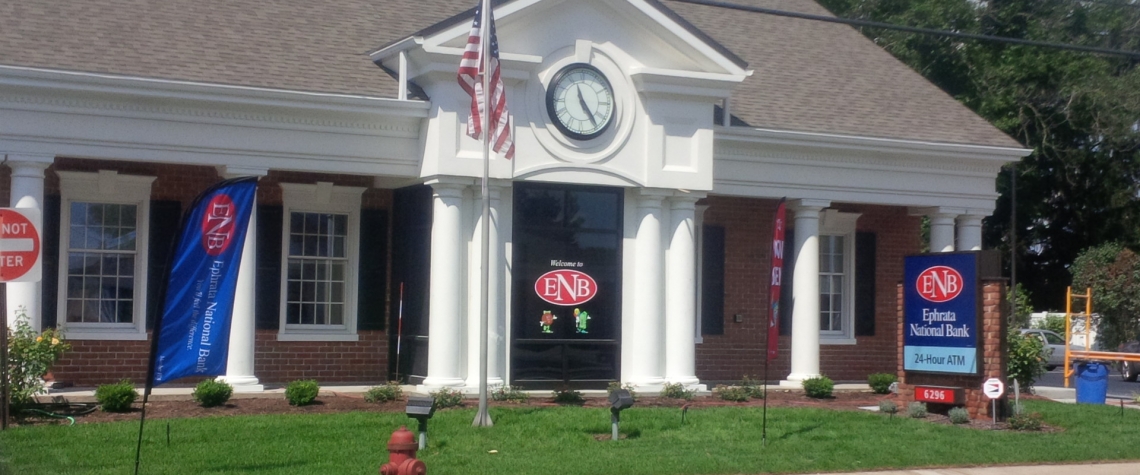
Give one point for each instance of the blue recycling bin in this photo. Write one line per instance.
(1092, 383)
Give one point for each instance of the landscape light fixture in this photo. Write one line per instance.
(619, 399)
(421, 408)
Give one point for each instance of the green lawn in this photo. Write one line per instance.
(550, 441)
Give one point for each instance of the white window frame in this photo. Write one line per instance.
(105, 187)
(836, 223)
(322, 197)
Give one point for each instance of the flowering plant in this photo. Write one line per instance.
(30, 356)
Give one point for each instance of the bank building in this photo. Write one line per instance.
(632, 247)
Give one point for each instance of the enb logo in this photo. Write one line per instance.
(565, 287)
(939, 284)
(218, 224)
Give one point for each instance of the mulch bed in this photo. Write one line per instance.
(328, 403)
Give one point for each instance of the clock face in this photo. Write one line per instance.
(580, 101)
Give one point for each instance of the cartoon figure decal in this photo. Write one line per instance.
(580, 321)
(547, 321)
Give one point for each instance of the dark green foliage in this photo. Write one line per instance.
(1026, 362)
(818, 387)
(116, 397)
(676, 391)
(302, 392)
(881, 382)
(959, 415)
(1022, 420)
(390, 391)
(1054, 322)
(212, 393)
(754, 387)
(732, 393)
(1077, 111)
(1113, 273)
(445, 398)
(569, 397)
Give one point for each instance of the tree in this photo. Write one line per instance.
(1078, 111)
(1113, 274)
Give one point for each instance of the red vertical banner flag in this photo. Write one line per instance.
(777, 278)
(471, 70)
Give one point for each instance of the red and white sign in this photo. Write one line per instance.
(993, 388)
(20, 245)
(218, 224)
(939, 284)
(938, 394)
(566, 287)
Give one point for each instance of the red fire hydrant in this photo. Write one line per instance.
(402, 455)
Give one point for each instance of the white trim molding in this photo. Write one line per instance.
(105, 187)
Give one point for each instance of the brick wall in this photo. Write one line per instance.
(97, 362)
(740, 351)
(994, 351)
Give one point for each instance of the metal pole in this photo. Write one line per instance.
(614, 419)
(399, 331)
(4, 366)
(482, 417)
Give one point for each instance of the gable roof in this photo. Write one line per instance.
(809, 76)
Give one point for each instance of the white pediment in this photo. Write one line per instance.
(666, 76)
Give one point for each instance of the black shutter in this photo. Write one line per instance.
(372, 284)
(165, 221)
(712, 280)
(786, 282)
(268, 305)
(50, 263)
(865, 284)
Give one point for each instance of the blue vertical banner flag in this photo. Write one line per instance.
(194, 329)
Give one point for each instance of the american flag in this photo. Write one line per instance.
(471, 80)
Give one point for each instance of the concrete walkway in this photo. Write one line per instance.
(1083, 469)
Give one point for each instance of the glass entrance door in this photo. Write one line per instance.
(566, 317)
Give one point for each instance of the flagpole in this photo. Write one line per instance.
(482, 417)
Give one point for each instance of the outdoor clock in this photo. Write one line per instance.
(580, 101)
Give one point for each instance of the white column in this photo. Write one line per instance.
(942, 232)
(681, 298)
(496, 344)
(27, 191)
(805, 291)
(243, 327)
(445, 317)
(969, 232)
(644, 326)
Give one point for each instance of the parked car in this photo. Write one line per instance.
(1129, 369)
(1054, 351)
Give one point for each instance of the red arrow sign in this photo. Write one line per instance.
(19, 245)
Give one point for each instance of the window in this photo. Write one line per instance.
(103, 248)
(319, 256)
(836, 277)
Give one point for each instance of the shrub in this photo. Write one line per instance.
(116, 397)
(445, 398)
(615, 385)
(888, 406)
(916, 410)
(302, 392)
(731, 393)
(1026, 362)
(1025, 421)
(390, 391)
(30, 356)
(818, 387)
(1054, 322)
(211, 393)
(881, 382)
(569, 396)
(959, 415)
(755, 390)
(677, 391)
(509, 393)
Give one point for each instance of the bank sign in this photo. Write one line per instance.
(941, 323)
